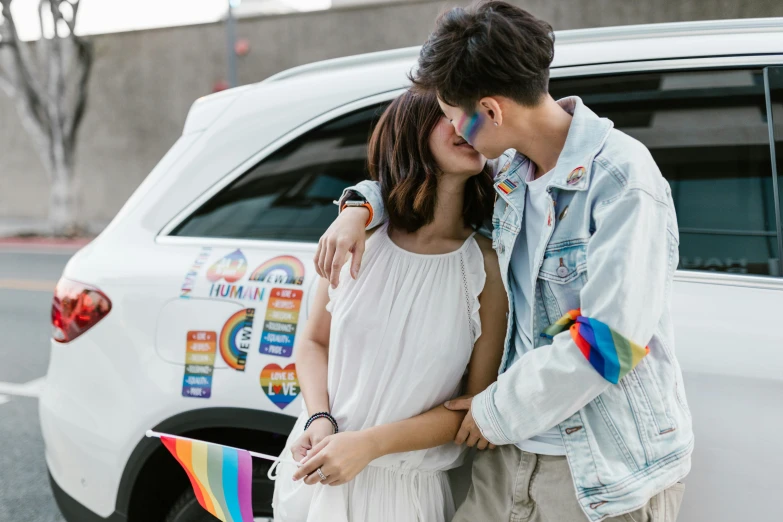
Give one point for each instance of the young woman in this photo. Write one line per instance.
(381, 353)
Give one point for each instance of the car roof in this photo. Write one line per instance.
(245, 124)
(577, 47)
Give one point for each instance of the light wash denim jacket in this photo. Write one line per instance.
(610, 249)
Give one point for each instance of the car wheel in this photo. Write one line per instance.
(187, 508)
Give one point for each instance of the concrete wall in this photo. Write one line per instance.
(343, 3)
(144, 82)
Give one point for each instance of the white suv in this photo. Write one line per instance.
(182, 316)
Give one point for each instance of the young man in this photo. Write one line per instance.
(589, 410)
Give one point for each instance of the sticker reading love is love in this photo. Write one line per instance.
(282, 316)
(199, 364)
(280, 384)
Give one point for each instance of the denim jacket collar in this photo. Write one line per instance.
(586, 136)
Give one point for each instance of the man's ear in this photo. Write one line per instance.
(493, 109)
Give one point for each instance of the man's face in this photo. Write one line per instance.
(476, 128)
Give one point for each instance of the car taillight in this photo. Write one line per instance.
(76, 308)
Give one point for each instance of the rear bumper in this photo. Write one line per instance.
(73, 511)
(97, 403)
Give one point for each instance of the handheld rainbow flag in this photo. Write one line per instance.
(611, 354)
(221, 476)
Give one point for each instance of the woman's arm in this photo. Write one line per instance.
(488, 352)
(312, 357)
(343, 456)
(312, 354)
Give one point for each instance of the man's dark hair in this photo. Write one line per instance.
(400, 159)
(491, 48)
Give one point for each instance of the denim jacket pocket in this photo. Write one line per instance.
(562, 275)
(564, 262)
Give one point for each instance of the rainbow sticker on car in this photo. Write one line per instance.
(282, 270)
(280, 384)
(199, 364)
(231, 268)
(282, 316)
(235, 338)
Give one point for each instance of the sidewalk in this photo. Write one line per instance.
(42, 244)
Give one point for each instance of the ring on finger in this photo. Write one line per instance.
(321, 474)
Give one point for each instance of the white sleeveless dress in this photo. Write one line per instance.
(401, 339)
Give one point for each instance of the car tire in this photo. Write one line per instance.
(187, 509)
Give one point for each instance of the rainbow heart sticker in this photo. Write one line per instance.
(231, 268)
(280, 384)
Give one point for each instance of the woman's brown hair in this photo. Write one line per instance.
(400, 160)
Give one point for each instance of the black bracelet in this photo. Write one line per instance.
(322, 415)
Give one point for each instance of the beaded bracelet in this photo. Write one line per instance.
(322, 415)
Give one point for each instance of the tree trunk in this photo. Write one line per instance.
(50, 94)
(63, 200)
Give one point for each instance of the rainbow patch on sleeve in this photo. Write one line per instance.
(286, 270)
(235, 338)
(611, 354)
(221, 477)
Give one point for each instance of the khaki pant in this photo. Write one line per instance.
(511, 485)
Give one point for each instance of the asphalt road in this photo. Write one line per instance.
(26, 282)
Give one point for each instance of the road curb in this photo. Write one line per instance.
(42, 243)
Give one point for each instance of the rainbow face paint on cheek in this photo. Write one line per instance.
(468, 126)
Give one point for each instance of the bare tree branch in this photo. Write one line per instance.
(51, 96)
(7, 85)
(80, 65)
(55, 98)
(42, 46)
(26, 82)
(72, 22)
(81, 84)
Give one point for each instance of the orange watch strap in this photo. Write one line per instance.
(368, 207)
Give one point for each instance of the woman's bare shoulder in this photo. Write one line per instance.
(485, 244)
(491, 263)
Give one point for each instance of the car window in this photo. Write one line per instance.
(707, 130)
(289, 195)
(775, 86)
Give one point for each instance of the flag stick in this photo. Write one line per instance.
(264, 456)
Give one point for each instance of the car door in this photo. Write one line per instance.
(247, 272)
(708, 131)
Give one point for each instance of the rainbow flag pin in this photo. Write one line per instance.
(221, 476)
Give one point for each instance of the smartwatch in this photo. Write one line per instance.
(357, 202)
(354, 203)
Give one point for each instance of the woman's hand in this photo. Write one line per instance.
(345, 236)
(319, 429)
(341, 457)
(469, 432)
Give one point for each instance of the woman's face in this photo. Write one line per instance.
(454, 155)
